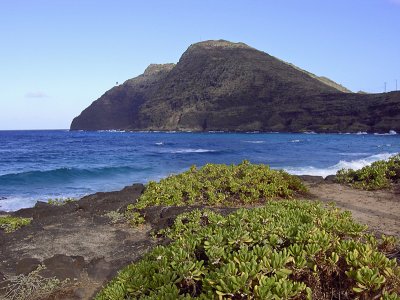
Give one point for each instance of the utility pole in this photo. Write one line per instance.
(385, 86)
(396, 84)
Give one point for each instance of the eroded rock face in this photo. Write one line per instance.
(219, 85)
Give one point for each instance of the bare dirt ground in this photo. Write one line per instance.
(380, 210)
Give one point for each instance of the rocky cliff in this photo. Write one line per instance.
(219, 85)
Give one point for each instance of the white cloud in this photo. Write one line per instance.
(36, 95)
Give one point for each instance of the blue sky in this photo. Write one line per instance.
(58, 56)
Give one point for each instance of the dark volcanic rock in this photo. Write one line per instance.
(100, 203)
(311, 179)
(62, 266)
(75, 240)
(100, 270)
(27, 265)
(219, 85)
(330, 179)
(43, 210)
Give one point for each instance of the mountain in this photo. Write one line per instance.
(220, 85)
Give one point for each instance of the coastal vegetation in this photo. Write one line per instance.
(288, 249)
(61, 201)
(130, 216)
(219, 184)
(10, 223)
(379, 175)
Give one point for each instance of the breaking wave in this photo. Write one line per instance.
(342, 164)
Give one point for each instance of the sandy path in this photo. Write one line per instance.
(380, 210)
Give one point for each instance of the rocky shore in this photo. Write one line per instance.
(77, 241)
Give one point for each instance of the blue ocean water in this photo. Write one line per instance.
(38, 165)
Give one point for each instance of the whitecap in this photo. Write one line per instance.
(190, 151)
(391, 132)
(361, 133)
(295, 141)
(254, 142)
(111, 130)
(16, 203)
(354, 154)
(159, 143)
(342, 164)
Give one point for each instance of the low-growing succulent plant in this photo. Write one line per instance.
(130, 216)
(217, 185)
(10, 224)
(287, 249)
(379, 175)
(60, 201)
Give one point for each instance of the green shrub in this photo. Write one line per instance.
(115, 216)
(379, 175)
(10, 224)
(134, 218)
(131, 216)
(60, 201)
(217, 185)
(286, 250)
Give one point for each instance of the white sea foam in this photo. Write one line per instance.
(342, 164)
(190, 151)
(391, 132)
(159, 143)
(111, 130)
(361, 133)
(355, 154)
(15, 203)
(295, 141)
(310, 132)
(254, 142)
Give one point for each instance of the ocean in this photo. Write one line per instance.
(39, 165)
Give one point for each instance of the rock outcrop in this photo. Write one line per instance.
(219, 85)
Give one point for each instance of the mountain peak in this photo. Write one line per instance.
(209, 44)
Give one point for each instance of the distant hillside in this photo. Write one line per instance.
(219, 85)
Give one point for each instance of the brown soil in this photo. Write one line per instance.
(380, 210)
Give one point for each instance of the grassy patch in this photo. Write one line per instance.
(10, 224)
(288, 249)
(379, 175)
(217, 185)
(130, 216)
(60, 201)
